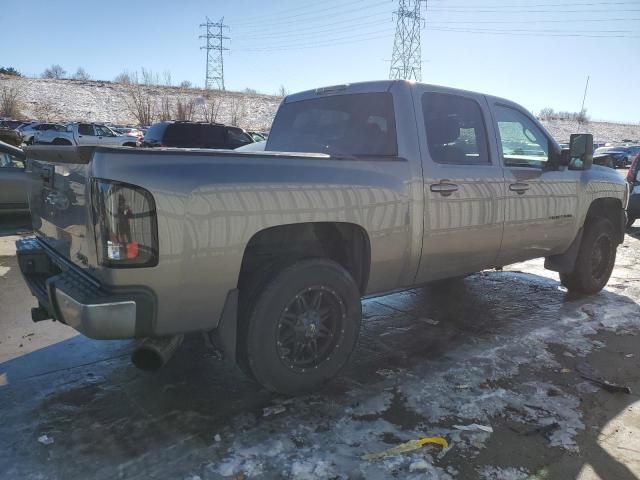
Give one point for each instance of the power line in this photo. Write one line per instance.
(520, 5)
(262, 19)
(335, 41)
(312, 16)
(214, 39)
(489, 10)
(532, 33)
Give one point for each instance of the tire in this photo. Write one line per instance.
(61, 141)
(596, 258)
(310, 302)
(129, 144)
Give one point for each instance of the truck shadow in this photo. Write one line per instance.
(104, 413)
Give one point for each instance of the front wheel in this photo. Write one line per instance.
(596, 258)
(301, 330)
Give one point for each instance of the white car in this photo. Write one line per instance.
(90, 134)
(29, 130)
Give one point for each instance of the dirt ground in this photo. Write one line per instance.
(507, 350)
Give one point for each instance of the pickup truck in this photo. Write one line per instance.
(363, 189)
(91, 134)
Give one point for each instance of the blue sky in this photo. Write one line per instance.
(537, 53)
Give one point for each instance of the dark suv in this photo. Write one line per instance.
(195, 135)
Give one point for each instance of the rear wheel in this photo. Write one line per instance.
(596, 258)
(302, 328)
(61, 141)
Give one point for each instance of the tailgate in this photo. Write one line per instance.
(59, 200)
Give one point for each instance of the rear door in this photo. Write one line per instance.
(541, 202)
(463, 184)
(87, 134)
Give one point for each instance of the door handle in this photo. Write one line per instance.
(519, 187)
(444, 188)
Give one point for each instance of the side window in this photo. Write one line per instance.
(523, 143)
(212, 136)
(102, 131)
(9, 161)
(85, 129)
(455, 130)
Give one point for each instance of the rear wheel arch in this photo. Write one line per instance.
(345, 243)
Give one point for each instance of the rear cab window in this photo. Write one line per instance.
(360, 124)
(455, 129)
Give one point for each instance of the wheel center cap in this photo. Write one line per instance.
(310, 323)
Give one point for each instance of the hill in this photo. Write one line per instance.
(101, 101)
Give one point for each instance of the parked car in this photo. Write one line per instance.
(12, 124)
(633, 178)
(621, 156)
(10, 136)
(130, 131)
(257, 136)
(88, 134)
(195, 135)
(13, 181)
(29, 130)
(387, 185)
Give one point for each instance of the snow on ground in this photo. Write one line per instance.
(72, 100)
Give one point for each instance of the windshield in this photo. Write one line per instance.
(360, 124)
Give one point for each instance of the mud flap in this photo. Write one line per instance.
(564, 262)
(224, 337)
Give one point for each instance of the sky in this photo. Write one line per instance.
(538, 53)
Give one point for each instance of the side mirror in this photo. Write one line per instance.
(581, 151)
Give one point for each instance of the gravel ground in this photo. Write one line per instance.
(498, 349)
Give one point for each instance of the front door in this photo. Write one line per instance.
(13, 182)
(542, 201)
(463, 185)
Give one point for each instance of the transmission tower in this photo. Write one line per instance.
(406, 61)
(214, 46)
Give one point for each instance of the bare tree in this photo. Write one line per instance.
(185, 109)
(48, 111)
(546, 114)
(81, 74)
(165, 109)
(140, 104)
(10, 101)
(282, 92)
(582, 116)
(186, 84)
(237, 110)
(54, 71)
(251, 91)
(211, 107)
(148, 77)
(166, 75)
(124, 78)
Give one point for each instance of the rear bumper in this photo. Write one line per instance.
(72, 297)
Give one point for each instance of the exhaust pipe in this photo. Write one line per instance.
(153, 352)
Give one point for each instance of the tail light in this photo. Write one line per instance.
(126, 226)
(631, 174)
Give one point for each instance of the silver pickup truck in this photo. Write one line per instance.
(383, 186)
